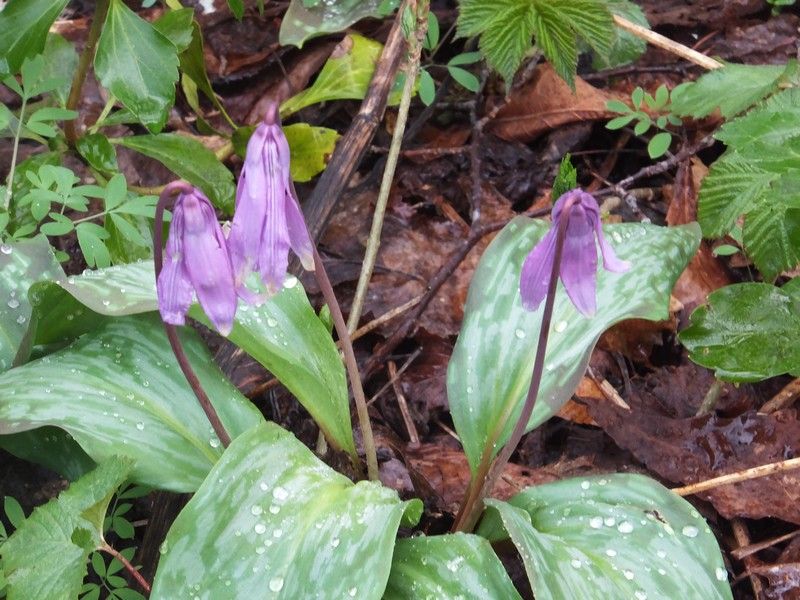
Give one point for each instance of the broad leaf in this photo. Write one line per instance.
(732, 89)
(98, 152)
(309, 146)
(138, 64)
(190, 160)
(747, 332)
(23, 30)
(176, 26)
(447, 567)
(345, 76)
(21, 264)
(774, 122)
(51, 447)
(305, 19)
(615, 536)
(626, 47)
(272, 520)
(46, 556)
(283, 334)
(60, 62)
(490, 370)
(118, 390)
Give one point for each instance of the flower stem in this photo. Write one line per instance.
(134, 572)
(10, 178)
(488, 472)
(350, 364)
(166, 198)
(374, 240)
(85, 61)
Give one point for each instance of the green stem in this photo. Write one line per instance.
(487, 473)
(112, 100)
(374, 240)
(10, 179)
(351, 365)
(85, 61)
(710, 399)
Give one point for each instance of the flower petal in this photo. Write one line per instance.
(610, 260)
(579, 261)
(299, 238)
(535, 276)
(208, 264)
(174, 290)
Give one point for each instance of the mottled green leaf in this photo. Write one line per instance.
(21, 264)
(747, 332)
(626, 47)
(98, 152)
(272, 520)
(304, 20)
(23, 30)
(137, 64)
(490, 370)
(615, 536)
(51, 447)
(309, 147)
(283, 334)
(189, 159)
(447, 567)
(46, 556)
(118, 390)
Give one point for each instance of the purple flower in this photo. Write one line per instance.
(268, 221)
(196, 261)
(578, 269)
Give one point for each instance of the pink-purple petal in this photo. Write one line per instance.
(610, 260)
(579, 262)
(299, 238)
(174, 290)
(535, 276)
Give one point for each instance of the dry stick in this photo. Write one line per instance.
(743, 551)
(784, 398)
(667, 44)
(743, 539)
(747, 474)
(394, 377)
(487, 473)
(413, 436)
(374, 240)
(134, 572)
(350, 363)
(85, 61)
(165, 198)
(353, 145)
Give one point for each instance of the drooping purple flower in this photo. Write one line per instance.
(578, 270)
(196, 261)
(268, 220)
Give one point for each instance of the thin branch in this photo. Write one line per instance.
(133, 571)
(746, 475)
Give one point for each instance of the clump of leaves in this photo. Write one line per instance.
(648, 111)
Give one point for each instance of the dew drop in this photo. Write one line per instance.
(640, 595)
(335, 542)
(519, 333)
(352, 592)
(140, 426)
(21, 319)
(274, 509)
(280, 493)
(661, 554)
(272, 322)
(263, 485)
(575, 563)
(213, 442)
(625, 527)
(261, 550)
(628, 574)
(596, 522)
(260, 528)
(13, 303)
(276, 584)
(560, 326)
(106, 302)
(585, 485)
(617, 237)
(256, 510)
(164, 547)
(722, 574)
(290, 282)
(6, 249)
(690, 531)
(277, 533)
(611, 552)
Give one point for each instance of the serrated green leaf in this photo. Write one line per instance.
(772, 231)
(590, 20)
(304, 21)
(488, 375)
(747, 331)
(118, 390)
(344, 76)
(659, 144)
(566, 179)
(283, 334)
(773, 122)
(137, 64)
(613, 536)
(46, 556)
(475, 15)
(278, 521)
(189, 159)
(447, 567)
(309, 147)
(556, 40)
(21, 264)
(732, 89)
(176, 26)
(23, 30)
(626, 47)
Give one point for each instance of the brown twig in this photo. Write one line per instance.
(743, 539)
(743, 551)
(745, 475)
(783, 399)
(413, 436)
